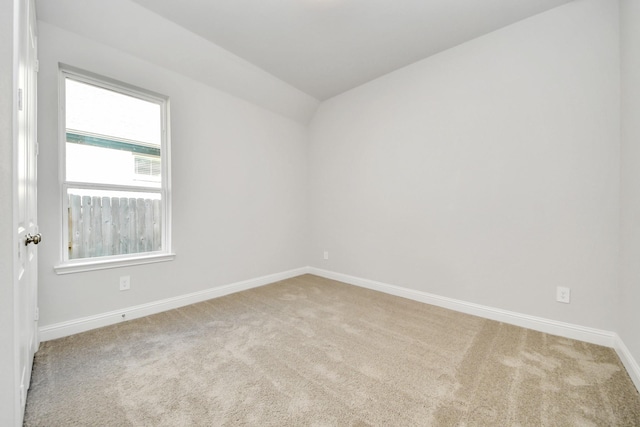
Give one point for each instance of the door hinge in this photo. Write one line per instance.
(37, 315)
(19, 99)
(37, 66)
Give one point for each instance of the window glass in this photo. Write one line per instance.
(105, 222)
(101, 111)
(114, 189)
(105, 133)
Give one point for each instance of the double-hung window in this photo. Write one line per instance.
(115, 173)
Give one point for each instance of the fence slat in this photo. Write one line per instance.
(75, 227)
(124, 226)
(107, 235)
(157, 221)
(96, 225)
(148, 225)
(115, 226)
(134, 245)
(86, 227)
(140, 224)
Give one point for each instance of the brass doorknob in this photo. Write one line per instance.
(32, 239)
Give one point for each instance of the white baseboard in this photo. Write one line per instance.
(71, 327)
(567, 330)
(633, 369)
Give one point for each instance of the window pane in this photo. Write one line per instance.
(106, 131)
(103, 223)
(95, 110)
(94, 164)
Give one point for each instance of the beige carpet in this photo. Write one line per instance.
(312, 352)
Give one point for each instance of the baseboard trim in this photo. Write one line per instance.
(567, 330)
(633, 369)
(63, 329)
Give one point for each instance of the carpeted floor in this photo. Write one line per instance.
(312, 352)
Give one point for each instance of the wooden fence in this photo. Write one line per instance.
(100, 226)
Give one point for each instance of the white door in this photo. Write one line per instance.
(28, 237)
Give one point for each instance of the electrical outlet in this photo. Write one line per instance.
(563, 294)
(326, 254)
(125, 283)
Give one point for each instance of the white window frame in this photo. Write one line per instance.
(67, 265)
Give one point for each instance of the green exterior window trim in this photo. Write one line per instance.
(96, 141)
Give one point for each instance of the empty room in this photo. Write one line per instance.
(320, 213)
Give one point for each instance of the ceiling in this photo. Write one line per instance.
(325, 47)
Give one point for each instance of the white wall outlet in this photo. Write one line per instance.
(563, 294)
(326, 254)
(125, 283)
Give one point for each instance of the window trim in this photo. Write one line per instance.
(66, 265)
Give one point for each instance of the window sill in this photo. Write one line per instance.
(89, 264)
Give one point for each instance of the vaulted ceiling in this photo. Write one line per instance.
(325, 47)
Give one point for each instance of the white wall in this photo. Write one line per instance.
(630, 192)
(488, 173)
(238, 179)
(8, 384)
